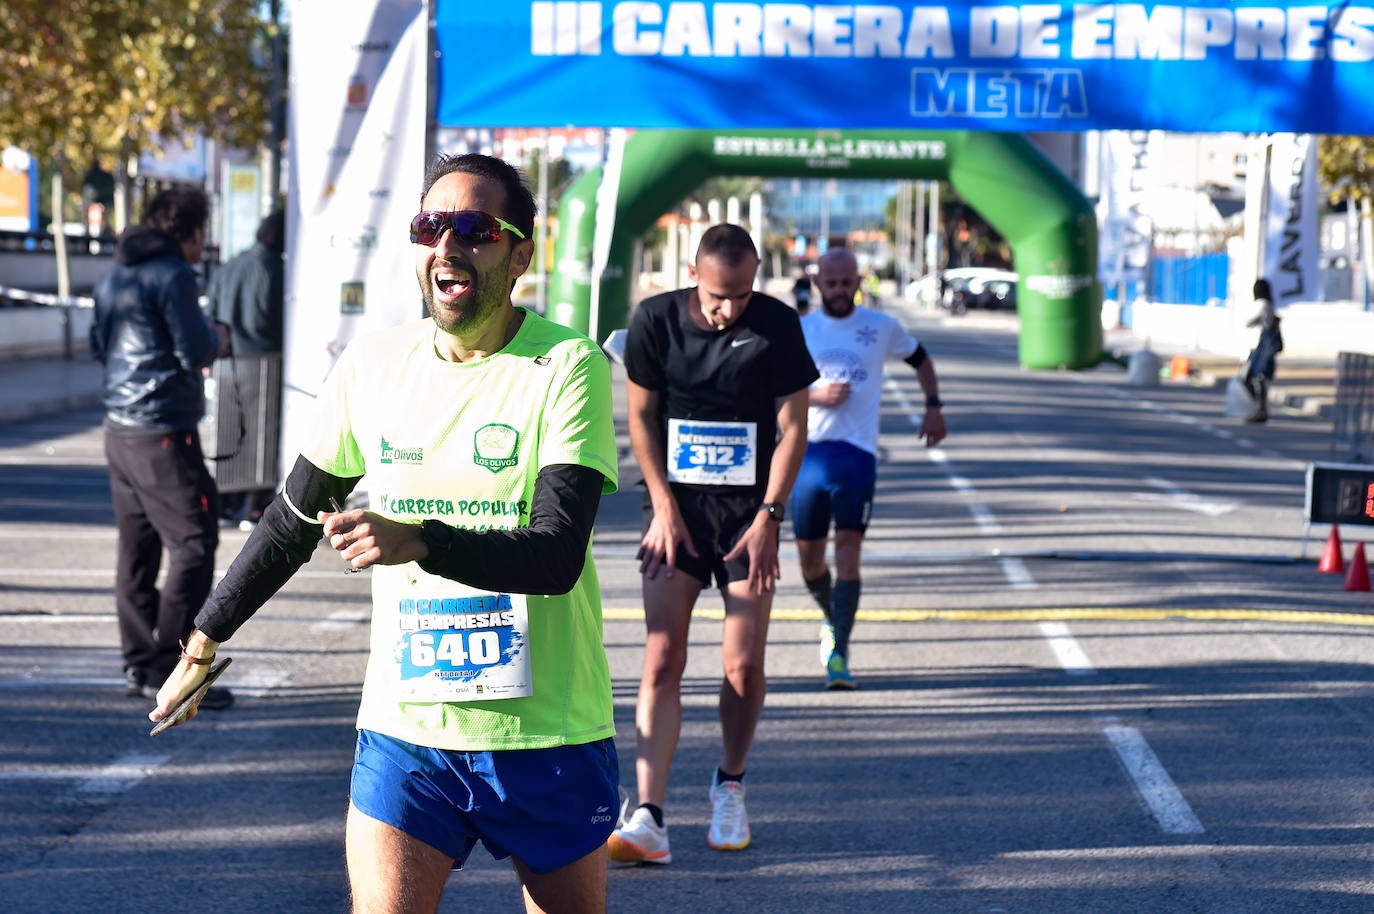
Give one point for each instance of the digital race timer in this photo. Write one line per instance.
(1340, 493)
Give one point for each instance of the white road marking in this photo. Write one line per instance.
(1017, 574)
(121, 774)
(1013, 569)
(341, 619)
(1175, 497)
(984, 519)
(1066, 648)
(1153, 784)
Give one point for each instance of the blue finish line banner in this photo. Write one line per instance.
(1241, 66)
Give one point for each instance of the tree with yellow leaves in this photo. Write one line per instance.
(1346, 166)
(86, 80)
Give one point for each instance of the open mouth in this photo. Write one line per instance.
(451, 284)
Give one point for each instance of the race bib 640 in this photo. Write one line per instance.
(468, 648)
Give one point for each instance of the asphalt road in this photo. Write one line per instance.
(1095, 675)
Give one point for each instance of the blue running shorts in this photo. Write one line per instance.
(545, 807)
(836, 481)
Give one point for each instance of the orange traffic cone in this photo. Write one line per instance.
(1332, 562)
(1358, 577)
(1180, 368)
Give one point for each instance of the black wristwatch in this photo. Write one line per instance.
(934, 401)
(774, 510)
(438, 536)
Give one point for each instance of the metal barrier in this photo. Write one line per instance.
(241, 431)
(1352, 420)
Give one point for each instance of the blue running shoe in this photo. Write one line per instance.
(837, 675)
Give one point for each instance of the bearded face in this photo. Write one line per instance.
(460, 295)
(838, 280)
(465, 283)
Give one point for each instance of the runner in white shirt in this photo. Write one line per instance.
(849, 344)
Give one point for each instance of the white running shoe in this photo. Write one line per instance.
(827, 642)
(640, 840)
(729, 822)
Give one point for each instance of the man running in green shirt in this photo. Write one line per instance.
(487, 438)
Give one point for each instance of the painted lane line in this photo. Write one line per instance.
(1013, 569)
(1066, 648)
(984, 519)
(1175, 497)
(342, 619)
(121, 774)
(1152, 783)
(908, 409)
(1017, 574)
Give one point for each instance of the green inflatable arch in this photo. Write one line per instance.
(1049, 225)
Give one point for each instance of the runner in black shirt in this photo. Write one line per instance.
(717, 389)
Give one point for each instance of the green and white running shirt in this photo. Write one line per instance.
(451, 667)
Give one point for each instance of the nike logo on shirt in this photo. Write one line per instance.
(735, 344)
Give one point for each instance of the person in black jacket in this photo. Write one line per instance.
(154, 342)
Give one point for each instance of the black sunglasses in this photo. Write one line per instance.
(471, 226)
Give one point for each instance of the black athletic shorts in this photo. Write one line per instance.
(716, 521)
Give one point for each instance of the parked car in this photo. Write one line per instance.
(959, 289)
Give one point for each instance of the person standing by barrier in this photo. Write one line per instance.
(152, 339)
(487, 437)
(1260, 366)
(717, 377)
(838, 476)
(246, 295)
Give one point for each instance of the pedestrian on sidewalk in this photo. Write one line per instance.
(1260, 365)
(154, 342)
(717, 378)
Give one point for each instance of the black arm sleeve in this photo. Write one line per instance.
(544, 558)
(917, 357)
(281, 543)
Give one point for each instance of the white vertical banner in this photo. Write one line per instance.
(607, 194)
(359, 108)
(1130, 172)
(1290, 232)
